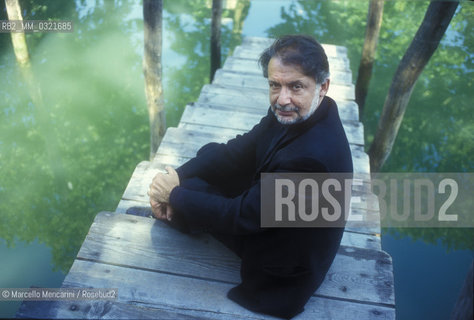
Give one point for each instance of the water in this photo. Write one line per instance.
(70, 155)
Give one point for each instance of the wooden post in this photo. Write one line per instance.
(18, 38)
(21, 53)
(426, 40)
(215, 37)
(240, 13)
(374, 21)
(152, 16)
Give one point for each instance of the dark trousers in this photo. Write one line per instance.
(281, 267)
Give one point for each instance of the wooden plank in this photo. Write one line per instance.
(214, 134)
(363, 221)
(342, 91)
(97, 309)
(31, 309)
(140, 181)
(259, 46)
(245, 121)
(246, 60)
(259, 104)
(188, 296)
(361, 240)
(332, 52)
(368, 200)
(223, 119)
(162, 160)
(253, 53)
(134, 207)
(155, 246)
(339, 71)
(259, 43)
(249, 98)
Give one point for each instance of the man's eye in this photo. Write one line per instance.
(274, 86)
(297, 87)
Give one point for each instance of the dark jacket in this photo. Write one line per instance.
(281, 267)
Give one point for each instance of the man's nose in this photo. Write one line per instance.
(284, 98)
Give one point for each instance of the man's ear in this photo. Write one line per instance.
(324, 88)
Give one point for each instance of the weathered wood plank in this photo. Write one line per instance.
(252, 54)
(31, 309)
(254, 50)
(259, 104)
(248, 98)
(189, 296)
(98, 309)
(339, 71)
(332, 52)
(155, 246)
(259, 43)
(124, 206)
(231, 79)
(245, 121)
(361, 240)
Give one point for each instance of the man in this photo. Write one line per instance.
(219, 190)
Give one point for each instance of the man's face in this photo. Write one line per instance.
(294, 96)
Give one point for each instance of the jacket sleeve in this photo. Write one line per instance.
(237, 215)
(216, 162)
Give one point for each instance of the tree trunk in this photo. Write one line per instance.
(215, 37)
(374, 21)
(152, 16)
(426, 40)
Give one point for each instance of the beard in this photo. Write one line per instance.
(292, 108)
(276, 107)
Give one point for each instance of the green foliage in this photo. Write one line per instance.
(452, 238)
(93, 111)
(189, 29)
(95, 118)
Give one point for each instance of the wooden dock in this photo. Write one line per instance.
(161, 273)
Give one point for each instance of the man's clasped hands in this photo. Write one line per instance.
(159, 193)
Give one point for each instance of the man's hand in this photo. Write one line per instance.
(161, 211)
(162, 185)
(159, 193)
